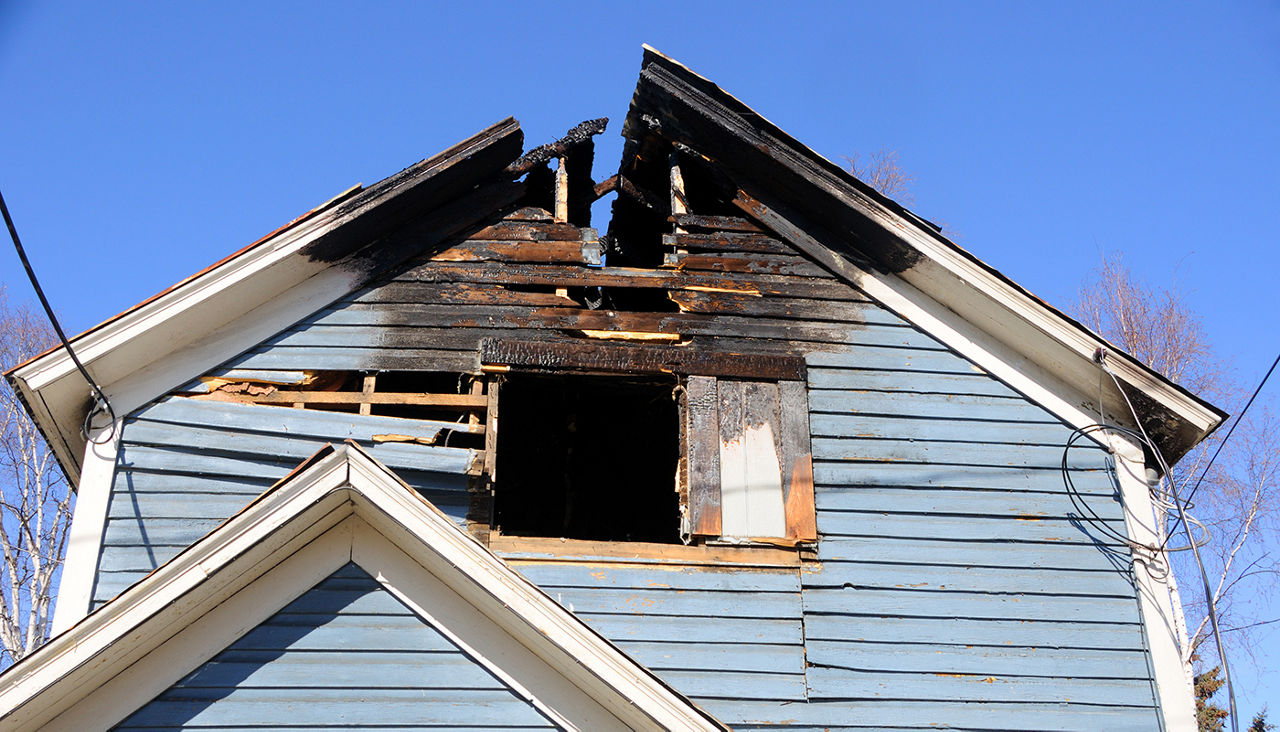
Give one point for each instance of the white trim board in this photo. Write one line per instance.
(88, 523)
(341, 506)
(244, 299)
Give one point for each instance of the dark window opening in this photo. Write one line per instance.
(588, 457)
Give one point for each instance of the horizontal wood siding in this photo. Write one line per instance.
(714, 633)
(186, 466)
(958, 583)
(955, 585)
(345, 654)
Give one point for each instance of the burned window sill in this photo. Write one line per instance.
(522, 548)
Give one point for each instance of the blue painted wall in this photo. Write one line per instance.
(187, 465)
(956, 584)
(345, 654)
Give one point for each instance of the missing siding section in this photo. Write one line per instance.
(432, 396)
(588, 457)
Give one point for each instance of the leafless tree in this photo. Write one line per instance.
(35, 501)
(1237, 499)
(882, 171)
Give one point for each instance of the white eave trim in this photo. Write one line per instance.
(1010, 299)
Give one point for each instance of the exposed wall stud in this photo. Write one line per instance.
(370, 383)
(562, 192)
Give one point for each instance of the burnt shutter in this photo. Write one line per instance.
(749, 470)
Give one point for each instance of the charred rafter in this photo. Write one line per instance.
(580, 135)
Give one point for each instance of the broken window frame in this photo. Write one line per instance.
(699, 478)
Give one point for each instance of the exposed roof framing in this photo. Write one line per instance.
(854, 230)
(339, 506)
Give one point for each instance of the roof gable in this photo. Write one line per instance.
(871, 241)
(254, 293)
(346, 652)
(813, 205)
(339, 507)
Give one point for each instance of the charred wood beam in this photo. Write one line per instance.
(579, 135)
(715, 223)
(623, 185)
(749, 149)
(595, 357)
(395, 202)
(428, 232)
(606, 186)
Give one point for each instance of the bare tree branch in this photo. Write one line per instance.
(35, 502)
(1239, 499)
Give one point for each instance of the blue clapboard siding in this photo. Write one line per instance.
(956, 584)
(187, 465)
(346, 653)
(711, 632)
(959, 585)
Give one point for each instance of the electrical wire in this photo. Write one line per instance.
(1185, 522)
(1239, 419)
(101, 399)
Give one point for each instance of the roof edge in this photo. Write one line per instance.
(315, 500)
(934, 264)
(326, 240)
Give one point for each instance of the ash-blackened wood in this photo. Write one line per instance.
(460, 293)
(478, 250)
(777, 264)
(715, 223)
(751, 149)
(529, 213)
(567, 276)
(595, 357)
(529, 231)
(728, 242)
(389, 205)
(396, 321)
(430, 231)
(581, 188)
(728, 303)
(606, 186)
(802, 237)
(797, 462)
(580, 134)
(640, 195)
(702, 435)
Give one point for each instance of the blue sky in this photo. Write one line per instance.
(141, 142)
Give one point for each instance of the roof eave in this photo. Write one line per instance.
(192, 323)
(875, 232)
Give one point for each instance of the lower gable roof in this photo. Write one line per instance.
(339, 507)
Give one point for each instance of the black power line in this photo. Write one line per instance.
(102, 401)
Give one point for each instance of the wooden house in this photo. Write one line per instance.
(768, 452)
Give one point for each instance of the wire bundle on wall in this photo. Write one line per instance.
(1167, 501)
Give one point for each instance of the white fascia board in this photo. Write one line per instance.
(595, 665)
(1013, 316)
(298, 511)
(192, 323)
(1008, 314)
